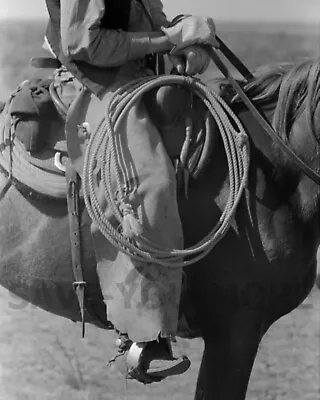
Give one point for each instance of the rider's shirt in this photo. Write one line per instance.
(82, 38)
(89, 39)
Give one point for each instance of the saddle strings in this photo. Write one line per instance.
(105, 140)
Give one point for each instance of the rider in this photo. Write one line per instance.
(103, 43)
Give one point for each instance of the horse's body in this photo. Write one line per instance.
(263, 268)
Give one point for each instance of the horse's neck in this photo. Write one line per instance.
(280, 175)
(306, 197)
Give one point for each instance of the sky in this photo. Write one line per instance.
(236, 10)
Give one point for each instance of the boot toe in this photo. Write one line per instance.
(165, 368)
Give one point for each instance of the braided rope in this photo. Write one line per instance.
(106, 140)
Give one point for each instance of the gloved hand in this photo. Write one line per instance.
(191, 30)
(191, 60)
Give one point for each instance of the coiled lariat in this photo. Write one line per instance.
(106, 141)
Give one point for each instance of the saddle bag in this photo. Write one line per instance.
(32, 110)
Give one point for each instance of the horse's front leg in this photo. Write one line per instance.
(230, 350)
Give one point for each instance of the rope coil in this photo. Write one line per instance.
(106, 140)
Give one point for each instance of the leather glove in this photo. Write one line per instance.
(191, 30)
(191, 60)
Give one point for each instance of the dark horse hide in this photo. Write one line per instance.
(263, 268)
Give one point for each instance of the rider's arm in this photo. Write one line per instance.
(83, 39)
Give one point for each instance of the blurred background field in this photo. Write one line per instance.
(42, 357)
(255, 44)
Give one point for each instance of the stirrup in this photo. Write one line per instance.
(128, 361)
(131, 364)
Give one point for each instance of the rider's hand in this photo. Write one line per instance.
(192, 30)
(191, 60)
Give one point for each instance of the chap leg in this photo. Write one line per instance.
(143, 298)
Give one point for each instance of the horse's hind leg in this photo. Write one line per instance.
(230, 350)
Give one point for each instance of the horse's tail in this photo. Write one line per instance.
(2, 104)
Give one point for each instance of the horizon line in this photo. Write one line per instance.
(225, 20)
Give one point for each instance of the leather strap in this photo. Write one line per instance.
(73, 187)
(45, 62)
(234, 60)
(61, 108)
(260, 117)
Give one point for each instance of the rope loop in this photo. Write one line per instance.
(105, 141)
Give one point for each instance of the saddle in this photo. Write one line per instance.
(38, 108)
(33, 148)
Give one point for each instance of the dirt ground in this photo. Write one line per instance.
(42, 357)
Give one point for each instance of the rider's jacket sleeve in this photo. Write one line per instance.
(83, 39)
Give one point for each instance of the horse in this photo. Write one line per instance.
(318, 272)
(262, 269)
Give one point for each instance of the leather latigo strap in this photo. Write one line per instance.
(73, 187)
